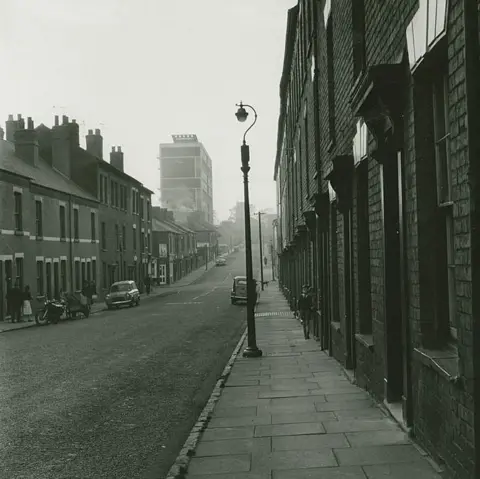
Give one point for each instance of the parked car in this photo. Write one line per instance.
(122, 293)
(239, 289)
(221, 262)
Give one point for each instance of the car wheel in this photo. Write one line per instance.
(234, 301)
(138, 302)
(109, 308)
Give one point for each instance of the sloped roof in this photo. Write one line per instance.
(42, 174)
(198, 225)
(162, 226)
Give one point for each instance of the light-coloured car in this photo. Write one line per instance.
(239, 289)
(122, 293)
(221, 262)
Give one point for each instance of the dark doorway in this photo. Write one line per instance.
(392, 252)
(349, 291)
(56, 281)
(49, 280)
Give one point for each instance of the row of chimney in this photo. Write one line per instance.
(65, 139)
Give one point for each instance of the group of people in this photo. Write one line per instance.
(19, 303)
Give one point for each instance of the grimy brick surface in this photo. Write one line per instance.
(332, 431)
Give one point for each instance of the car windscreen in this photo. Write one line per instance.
(119, 288)
(242, 283)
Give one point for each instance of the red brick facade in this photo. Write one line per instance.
(375, 211)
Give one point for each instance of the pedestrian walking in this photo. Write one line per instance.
(27, 304)
(305, 306)
(147, 283)
(15, 298)
(87, 294)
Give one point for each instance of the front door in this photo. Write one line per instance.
(48, 275)
(162, 273)
(396, 326)
(56, 281)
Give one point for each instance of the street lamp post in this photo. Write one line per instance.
(252, 350)
(261, 245)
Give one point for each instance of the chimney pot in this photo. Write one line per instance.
(113, 149)
(90, 132)
(119, 148)
(30, 123)
(19, 116)
(65, 120)
(56, 120)
(10, 117)
(74, 121)
(97, 131)
(2, 133)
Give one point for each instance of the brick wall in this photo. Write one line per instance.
(442, 410)
(50, 248)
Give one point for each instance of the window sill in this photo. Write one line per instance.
(365, 340)
(76, 240)
(63, 240)
(336, 325)
(39, 238)
(19, 233)
(444, 362)
(331, 146)
(93, 241)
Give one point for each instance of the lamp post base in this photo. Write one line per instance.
(252, 352)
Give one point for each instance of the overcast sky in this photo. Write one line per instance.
(141, 70)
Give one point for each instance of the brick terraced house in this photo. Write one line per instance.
(377, 172)
(174, 247)
(48, 222)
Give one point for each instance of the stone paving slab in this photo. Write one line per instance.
(293, 414)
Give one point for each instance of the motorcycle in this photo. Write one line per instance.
(52, 312)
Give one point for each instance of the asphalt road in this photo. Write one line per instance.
(115, 395)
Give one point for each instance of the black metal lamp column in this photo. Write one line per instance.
(252, 350)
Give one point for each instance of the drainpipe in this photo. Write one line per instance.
(70, 239)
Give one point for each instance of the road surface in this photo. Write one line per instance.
(114, 396)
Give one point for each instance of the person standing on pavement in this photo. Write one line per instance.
(87, 293)
(27, 304)
(16, 300)
(147, 283)
(305, 306)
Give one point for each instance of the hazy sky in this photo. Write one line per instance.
(141, 70)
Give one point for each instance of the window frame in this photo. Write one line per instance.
(93, 226)
(40, 279)
(63, 274)
(18, 210)
(76, 224)
(103, 233)
(19, 271)
(63, 222)
(38, 219)
(443, 167)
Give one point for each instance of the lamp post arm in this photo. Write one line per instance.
(254, 121)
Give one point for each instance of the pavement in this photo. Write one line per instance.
(294, 414)
(116, 395)
(157, 291)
